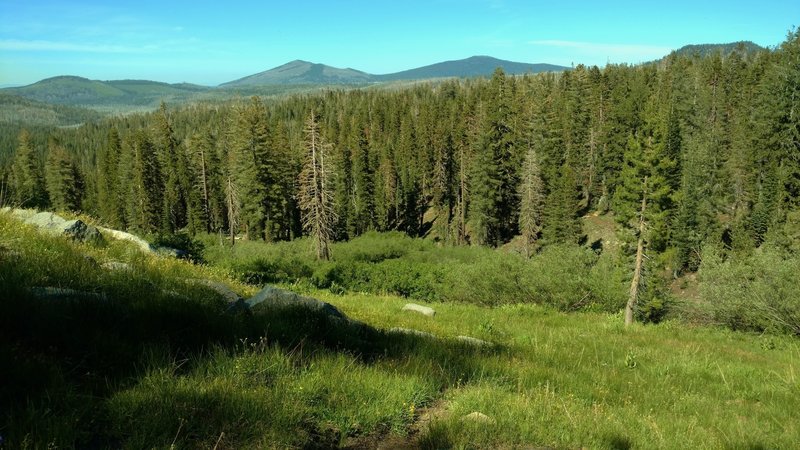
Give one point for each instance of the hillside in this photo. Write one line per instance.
(17, 110)
(474, 66)
(702, 50)
(112, 347)
(72, 90)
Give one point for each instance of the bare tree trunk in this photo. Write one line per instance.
(637, 270)
(232, 200)
(204, 180)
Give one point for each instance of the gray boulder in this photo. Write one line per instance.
(74, 229)
(424, 310)
(54, 224)
(80, 231)
(275, 297)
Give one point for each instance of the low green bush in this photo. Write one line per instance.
(759, 292)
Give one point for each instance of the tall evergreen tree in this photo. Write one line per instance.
(494, 196)
(109, 197)
(531, 193)
(63, 179)
(253, 167)
(145, 205)
(26, 175)
(561, 220)
(174, 170)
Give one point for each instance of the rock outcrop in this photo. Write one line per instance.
(48, 222)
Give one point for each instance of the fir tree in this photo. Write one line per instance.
(145, 204)
(26, 175)
(531, 193)
(109, 197)
(63, 180)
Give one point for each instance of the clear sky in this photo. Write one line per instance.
(213, 42)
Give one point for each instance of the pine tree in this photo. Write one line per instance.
(26, 175)
(561, 220)
(63, 180)
(253, 166)
(173, 166)
(111, 206)
(145, 205)
(315, 190)
(494, 196)
(531, 193)
(639, 204)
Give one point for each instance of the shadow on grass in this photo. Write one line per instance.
(65, 358)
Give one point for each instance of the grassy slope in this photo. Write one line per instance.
(158, 363)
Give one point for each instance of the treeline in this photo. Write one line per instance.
(687, 151)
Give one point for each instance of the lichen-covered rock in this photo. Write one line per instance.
(424, 310)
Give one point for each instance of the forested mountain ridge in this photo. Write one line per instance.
(744, 47)
(19, 110)
(690, 154)
(73, 90)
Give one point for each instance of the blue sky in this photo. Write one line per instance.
(213, 42)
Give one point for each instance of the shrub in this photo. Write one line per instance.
(760, 292)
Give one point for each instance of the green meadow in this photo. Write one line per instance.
(147, 357)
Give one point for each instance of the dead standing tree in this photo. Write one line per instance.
(316, 194)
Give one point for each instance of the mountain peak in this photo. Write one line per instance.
(305, 72)
(299, 71)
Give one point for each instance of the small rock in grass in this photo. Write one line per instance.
(479, 417)
(424, 310)
(116, 265)
(474, 341)
(409, 331)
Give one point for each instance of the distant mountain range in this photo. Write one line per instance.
(304, 72)
(129, 95)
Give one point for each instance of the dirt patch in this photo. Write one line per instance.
(411, 441)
